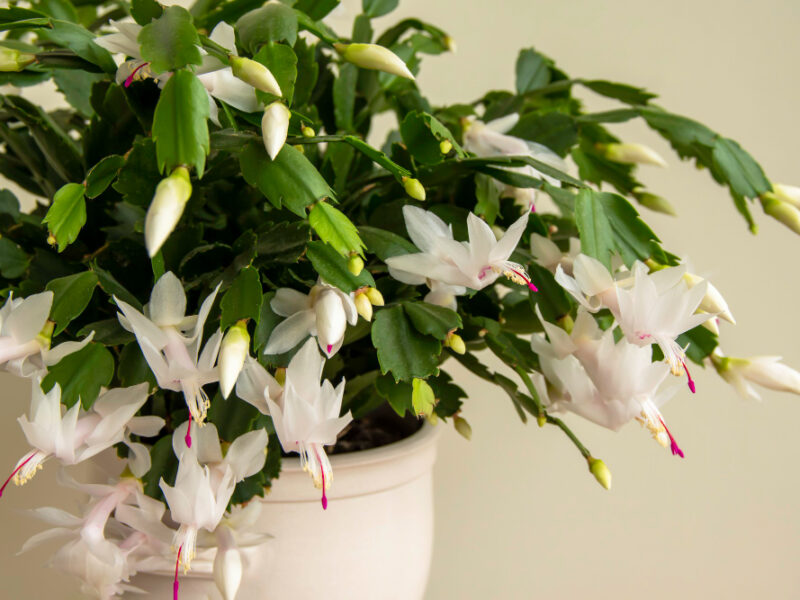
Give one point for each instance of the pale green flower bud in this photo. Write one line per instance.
(375, 297)
(256, 74)
(414, 188)
(232, 354)
(363, 306)
(654, 202)
(455, 343)
(712, 302)
(166, 209)
(462, 427)
(445, 146)
(355, 264)
(600, 471)
(373, 56)
(787, 193)
(782, 211)
(12, 61)
(308, 131)
(632, 153)
(275, 127)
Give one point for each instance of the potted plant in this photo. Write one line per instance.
(228, 284)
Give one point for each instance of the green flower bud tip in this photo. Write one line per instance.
(414, 188)
(655, 203)
(13, 61)
(600, 471)
(541, 420)
(781, 211)
(308, 131)
(462, 427)
(256, 74)
(355, 264)
(445, 146)
(375, 297)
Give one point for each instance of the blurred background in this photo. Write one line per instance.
(518, 516)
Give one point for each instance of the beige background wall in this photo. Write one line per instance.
(518, 516)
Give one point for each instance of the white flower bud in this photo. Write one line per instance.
(256, 74)
(782, 211)
(633, 153)
(654, 202)
(232, 354)
(373, 56)
(375, 297)
(275, 127)
(766, 371)
(166, 209)
(712, 302)
(363, 306)
(12, 61)
(787, 193)
(227, 565)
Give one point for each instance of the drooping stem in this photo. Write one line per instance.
(540, 411)
(563, 427)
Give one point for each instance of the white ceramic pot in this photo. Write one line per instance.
(374, 541)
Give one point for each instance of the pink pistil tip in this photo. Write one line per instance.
(175, 583)
(676, 451)
(129, 78)
(324, 501)
(188, 437)
(532, 287)
(533, 207)
(330, 347)
(690, 381)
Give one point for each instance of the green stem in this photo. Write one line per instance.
(540, 411)
(317, 139)
(563, 427)
(214, 48)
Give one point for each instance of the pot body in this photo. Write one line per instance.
(374, 542)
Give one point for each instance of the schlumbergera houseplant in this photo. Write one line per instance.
(221, 270)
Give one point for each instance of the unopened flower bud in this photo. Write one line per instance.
(654, 202)
(363, 306)
(355, 264)
(256, 74)
(541, 420)
(166, 209)
(600, 471)
(275, 127)
(414, 188)
(232, 354)
(375, 297)
(711, 324)
(308, 131)
(373, 56)
(787, 193)
(51, 240)
(12, 61)
(450, 43)
(712, 302)
(462, 427)
(782, 211)
(280, 376)
(227, 564)
(455, 343)
(766, 371)
(445, 146)
(632, 153)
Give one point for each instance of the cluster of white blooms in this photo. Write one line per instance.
(123, 531)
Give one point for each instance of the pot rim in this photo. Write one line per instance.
(424, 436)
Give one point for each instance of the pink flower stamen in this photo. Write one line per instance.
(129, 78)
(188, 438)
(690, 381)
(175, 583)
(522, 276)
(676, 450)
(10, 477)
(322, 472)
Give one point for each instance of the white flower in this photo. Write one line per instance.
(591, 284)
(74, 435)
(474, 264)
(324, 312)
(306, 416)
(170, 342)
(275, 127)
(488, 140)
(25, 335)
(766, 371)
(605, 382)
(216, 77)
(652, 311)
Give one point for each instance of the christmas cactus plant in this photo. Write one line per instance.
(224, 267)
